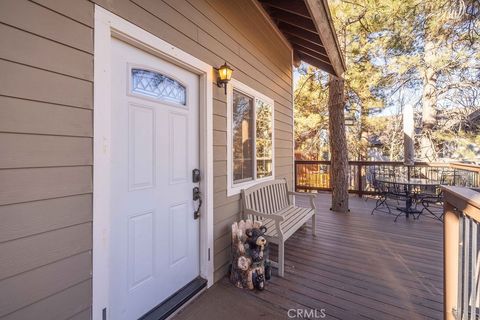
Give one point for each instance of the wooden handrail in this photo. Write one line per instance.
(458, 165)
(360, 172)
(465, 166)
(465, 200)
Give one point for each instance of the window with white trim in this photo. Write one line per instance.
(250, 137)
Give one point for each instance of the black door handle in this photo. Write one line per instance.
(196, 197)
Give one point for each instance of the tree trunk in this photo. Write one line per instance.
(338, 145)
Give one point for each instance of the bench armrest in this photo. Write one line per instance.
(271, 216)
(304, 194)
(301, 194)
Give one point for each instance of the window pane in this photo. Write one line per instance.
(264, 139)
(242, 137)
(158, 86)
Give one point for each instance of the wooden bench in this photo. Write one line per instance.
(270, 203)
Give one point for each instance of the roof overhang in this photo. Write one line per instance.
(308, 26)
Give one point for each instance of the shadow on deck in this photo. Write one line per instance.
(358, 266)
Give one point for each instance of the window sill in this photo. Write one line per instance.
(234, 189)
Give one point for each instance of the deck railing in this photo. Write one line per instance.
(315, 175)
(461, 253)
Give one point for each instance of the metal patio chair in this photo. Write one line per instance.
(381, 191)
(431, 199)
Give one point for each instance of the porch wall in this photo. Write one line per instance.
(216, 31)
(46, 101)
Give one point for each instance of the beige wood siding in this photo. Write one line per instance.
(46, 100)
(234, 31)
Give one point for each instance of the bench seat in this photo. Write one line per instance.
(270, 203)
(294, 218)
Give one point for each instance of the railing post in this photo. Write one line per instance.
(359, 177)
(295, 174)
(450, 260)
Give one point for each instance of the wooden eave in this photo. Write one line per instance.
(308, 26)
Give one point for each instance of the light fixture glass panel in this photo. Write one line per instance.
(225, 73)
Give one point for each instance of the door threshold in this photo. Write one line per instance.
(176, 300)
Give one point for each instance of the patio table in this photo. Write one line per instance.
(409, 187)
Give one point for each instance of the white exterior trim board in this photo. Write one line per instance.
(108, 25)
(233, 189)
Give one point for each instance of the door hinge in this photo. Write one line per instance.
(104, 314)
(208, 254)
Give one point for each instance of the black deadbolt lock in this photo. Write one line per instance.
(195, 175)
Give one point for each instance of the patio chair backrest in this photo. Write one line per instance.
(382, 187)
(447, 177)
(432, 190)
(267, 197)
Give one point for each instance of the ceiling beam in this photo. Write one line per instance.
(316, 62)
(300, 33)
(309, 45)
(311, 53)
(292, 6)
(273, 23)
(308, 26)
(320, 14)
(294, 20)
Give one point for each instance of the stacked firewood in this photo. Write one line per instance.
(250, 265)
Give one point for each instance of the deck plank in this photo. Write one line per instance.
(359, 266)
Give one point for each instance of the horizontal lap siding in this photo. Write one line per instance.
(216, 31)
(46, 101)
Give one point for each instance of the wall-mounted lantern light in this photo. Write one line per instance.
(224, 75)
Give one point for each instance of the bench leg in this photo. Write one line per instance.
(314, 224)
(281, 258)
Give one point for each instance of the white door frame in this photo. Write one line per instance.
(108, 25)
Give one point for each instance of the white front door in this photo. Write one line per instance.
(155, 146)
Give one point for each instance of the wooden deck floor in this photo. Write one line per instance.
(358, 266)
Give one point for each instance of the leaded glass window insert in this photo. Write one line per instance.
(158, 86)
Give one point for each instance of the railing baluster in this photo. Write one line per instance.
(461, 238)
(473, 273)
(477, 282)
(466, 265)
(360, 177)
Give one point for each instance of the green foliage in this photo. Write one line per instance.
(311, 113)
(428, 49)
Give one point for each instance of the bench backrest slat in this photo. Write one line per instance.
(278, 195)
(267, 197)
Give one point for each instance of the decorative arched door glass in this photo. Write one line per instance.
(158, 86)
